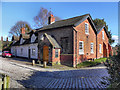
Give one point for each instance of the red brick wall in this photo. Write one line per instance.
(55, 59)
(66, 59)
(101, 41)
(81, 36)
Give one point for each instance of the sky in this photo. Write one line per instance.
(26, 11)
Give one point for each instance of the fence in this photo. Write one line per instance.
(4, 81)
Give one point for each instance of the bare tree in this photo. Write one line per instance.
(42, 18)
(16, 29)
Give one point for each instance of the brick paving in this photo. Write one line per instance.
(32, 77)
(69, 79)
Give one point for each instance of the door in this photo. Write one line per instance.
(104, 50)
(45, 53)
(15, 52)
(28, 53)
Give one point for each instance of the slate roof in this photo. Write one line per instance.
(32, 31)
(62, 23)
(52, 41)
(68, 22)
(99, 28)
(17, 43)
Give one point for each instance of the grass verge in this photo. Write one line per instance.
(91, 63)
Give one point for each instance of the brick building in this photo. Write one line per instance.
(69, 41)
(103, 47)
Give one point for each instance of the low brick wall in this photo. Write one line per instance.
(66, 59)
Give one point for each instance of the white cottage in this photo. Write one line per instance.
(26, 45)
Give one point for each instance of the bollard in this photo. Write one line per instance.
(4, 82)
(8, 82)
(44, 64)
(33, 62)
(1, 83)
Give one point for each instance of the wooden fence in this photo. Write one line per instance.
(4, 82)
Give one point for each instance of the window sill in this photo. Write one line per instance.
(81, 53)
(87, 33)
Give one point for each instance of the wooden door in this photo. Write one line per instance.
(104, 50)
(45, 53)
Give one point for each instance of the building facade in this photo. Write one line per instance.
(69, 42)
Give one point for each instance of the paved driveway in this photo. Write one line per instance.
(33, 77)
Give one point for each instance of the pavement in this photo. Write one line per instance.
(24, 75)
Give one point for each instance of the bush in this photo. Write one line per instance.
(114, 70)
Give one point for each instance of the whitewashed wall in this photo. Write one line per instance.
(25, 50)
(13, 50)
(34, 46)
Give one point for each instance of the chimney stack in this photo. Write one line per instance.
(7, 39)
(1, 38)
(23, 30)
(51, 19)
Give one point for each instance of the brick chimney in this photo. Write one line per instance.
(51, 19)
(7, 39)
(1, 38)
(23, 30)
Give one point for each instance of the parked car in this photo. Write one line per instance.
(0, 53)
(6, 54)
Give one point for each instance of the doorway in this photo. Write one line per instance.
(28, 53)
(104, 50)
(45, 53)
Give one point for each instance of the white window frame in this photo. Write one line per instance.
(33, 38)
(33, 51)
(86, 28)
(103, 35)
(21, 51)
(56, 53)
(100, 48)
(92, 47)
(81, 51)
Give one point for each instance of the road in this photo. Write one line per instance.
(27, 76)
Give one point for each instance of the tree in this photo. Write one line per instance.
(16, 29)
(113, 65)
(42, 18)
(99, 23)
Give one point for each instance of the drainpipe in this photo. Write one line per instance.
(96, 46)
(76, 47)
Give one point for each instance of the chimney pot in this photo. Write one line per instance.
(23, 30)
(1, 38)
(7, 39)
(51, 19)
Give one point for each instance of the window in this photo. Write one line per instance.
(21, 50)
(100, 48)
(81, 47)
(56, 53)
(64, 45)
(86, 28)
(33, 51)
(102, 34)
(92, 48)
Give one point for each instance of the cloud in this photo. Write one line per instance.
(115, 37)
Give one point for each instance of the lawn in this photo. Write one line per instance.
(91, 63)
